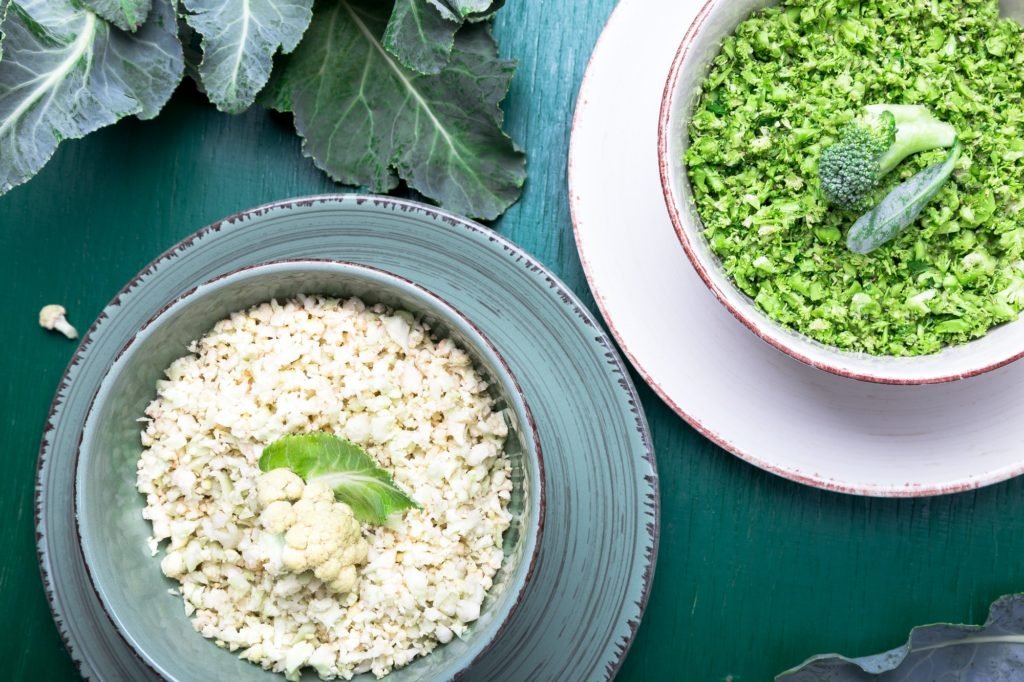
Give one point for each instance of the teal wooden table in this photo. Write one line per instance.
(754, 573)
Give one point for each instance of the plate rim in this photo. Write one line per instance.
(581, 105)
(582, 108)
(518, 256)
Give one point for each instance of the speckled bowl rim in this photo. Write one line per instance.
(520, 256)
(756, 323)
(534, 526)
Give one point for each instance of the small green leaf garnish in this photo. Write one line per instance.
(901, 207)
(345, 467)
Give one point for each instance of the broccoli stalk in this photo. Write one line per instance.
(917, 130)
(881, 137)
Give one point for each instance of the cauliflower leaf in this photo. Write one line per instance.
(345, 468)
(66, 73)
(240, 38)
(4, 4)
(369, 121)
(421, 33)
(474, 10)
(127, 15)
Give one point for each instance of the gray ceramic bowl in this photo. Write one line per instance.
(108, 508)
(702, 43)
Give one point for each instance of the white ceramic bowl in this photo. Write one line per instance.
(715, 21)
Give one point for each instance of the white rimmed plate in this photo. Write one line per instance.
(767, 408)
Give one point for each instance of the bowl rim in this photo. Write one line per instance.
(536, 519)
(755, 323)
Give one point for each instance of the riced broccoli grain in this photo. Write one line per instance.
(784, 88)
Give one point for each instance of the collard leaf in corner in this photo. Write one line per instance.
(239, 40)
(421, 35)
(367, 120)
(993, 652)
(66, 72)
(127, 15)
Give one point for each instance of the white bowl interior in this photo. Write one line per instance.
(701, 45)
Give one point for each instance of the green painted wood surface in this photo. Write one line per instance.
(754, 573)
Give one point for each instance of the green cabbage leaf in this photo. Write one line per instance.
(239, 40)
(382, 92)
(66, 72)
(421, 33)
(127, 15)
(368, 121)
(993, 652)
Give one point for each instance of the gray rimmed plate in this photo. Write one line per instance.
(582, 606)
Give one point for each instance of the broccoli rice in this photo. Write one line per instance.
(378, 378)
(781, 91)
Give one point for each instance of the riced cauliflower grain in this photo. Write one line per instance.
(252, 577)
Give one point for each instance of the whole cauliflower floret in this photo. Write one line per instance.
(278, 484)
(320, 534)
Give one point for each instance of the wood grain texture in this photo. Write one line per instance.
(755, 573)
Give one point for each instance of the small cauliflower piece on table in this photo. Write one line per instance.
(53, 317)
(319, 533)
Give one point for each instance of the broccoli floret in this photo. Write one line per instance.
(849, 170)
(880, 138)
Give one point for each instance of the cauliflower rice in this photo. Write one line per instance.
(377, 378)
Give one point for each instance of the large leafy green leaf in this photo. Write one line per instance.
(127, 15)
(469, 10)
(66, 73)
(239, 39)
(474, 10)
(420, 35)
(3, 13)
(445, 9)
(345, 468)
(367, 120)
(993, 652)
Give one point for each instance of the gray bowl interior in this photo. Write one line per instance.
(109, 509)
